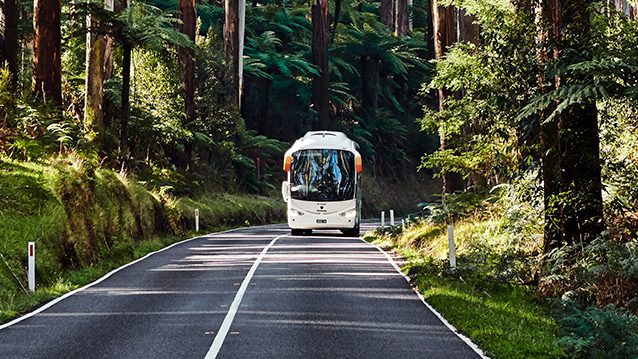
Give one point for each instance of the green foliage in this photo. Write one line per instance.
(486, 84)
(592, 332)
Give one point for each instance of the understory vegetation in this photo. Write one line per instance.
(86, 221)
(508, 296)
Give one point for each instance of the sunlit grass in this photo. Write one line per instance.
(505, 320)
(86, 223)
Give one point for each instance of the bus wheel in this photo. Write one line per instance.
(307, 232)
(296, 232)
(354, 232)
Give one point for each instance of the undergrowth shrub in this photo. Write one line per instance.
(593, 332)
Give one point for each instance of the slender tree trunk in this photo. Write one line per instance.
(234, 11)
(94, 94)
(444, 31)
(108, 107)
(320, 84)
(402, 18)
(9, 37)
(47, 77)
(187, 58)
(387, 13)
(126, 106)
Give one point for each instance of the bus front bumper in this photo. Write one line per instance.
(328, 221)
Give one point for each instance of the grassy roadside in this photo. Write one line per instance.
(505, 320)
(87, 221)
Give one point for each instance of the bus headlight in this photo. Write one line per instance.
(349, 213)
(294, 212)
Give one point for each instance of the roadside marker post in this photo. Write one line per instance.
(382, 218)
(392, 217)
(31, 273)
(450, 238)
(196, 220)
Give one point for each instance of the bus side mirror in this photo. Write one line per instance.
(285, 190)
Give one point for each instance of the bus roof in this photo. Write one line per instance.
(323, 140)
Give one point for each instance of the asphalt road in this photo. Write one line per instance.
(251, 293)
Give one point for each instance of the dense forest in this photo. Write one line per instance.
(525, 110)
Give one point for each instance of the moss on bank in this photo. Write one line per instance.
(87, 221)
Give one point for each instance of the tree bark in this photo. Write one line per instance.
(387, 13)
(94, 83)
(187, 58)
(234, 21)
(126, 106)
(108, 107)
(579, 141)
(402, 18)
(47, 77)
(320, 84)
(571, 147)
(444, 32)
(9, 39)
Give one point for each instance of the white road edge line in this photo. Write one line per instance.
(464, 338)
(63, 297)
(230, 316)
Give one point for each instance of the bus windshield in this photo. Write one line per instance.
(322, 175)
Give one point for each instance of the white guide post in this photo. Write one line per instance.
(450, 238)
(31, 274)
(392, 217)
(382, 218)
(197, 220)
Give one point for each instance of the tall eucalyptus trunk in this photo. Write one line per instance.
(234, 23)
(47, 76)
(387, 13)
(402, 18)
(320, 84)
(444, 32)
(187, 58)
(94, 81)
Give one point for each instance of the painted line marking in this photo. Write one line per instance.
(464, 338)
(106, 276)
(230, 316)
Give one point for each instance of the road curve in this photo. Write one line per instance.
(321, 296)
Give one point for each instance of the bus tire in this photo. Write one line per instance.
(296, 232)
(354, 232)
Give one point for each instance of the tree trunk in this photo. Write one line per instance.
(108, 107)
(94, 93)
(234, 11)
(549, 140)
(444, 31)
(9, 39)
(387, 13)
(47, 78)
(402, 18)
(126, 106)
(320, 84)
(187, 58)
(573, 188)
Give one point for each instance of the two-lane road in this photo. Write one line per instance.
(251, 293)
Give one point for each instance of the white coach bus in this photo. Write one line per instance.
(323, 187)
